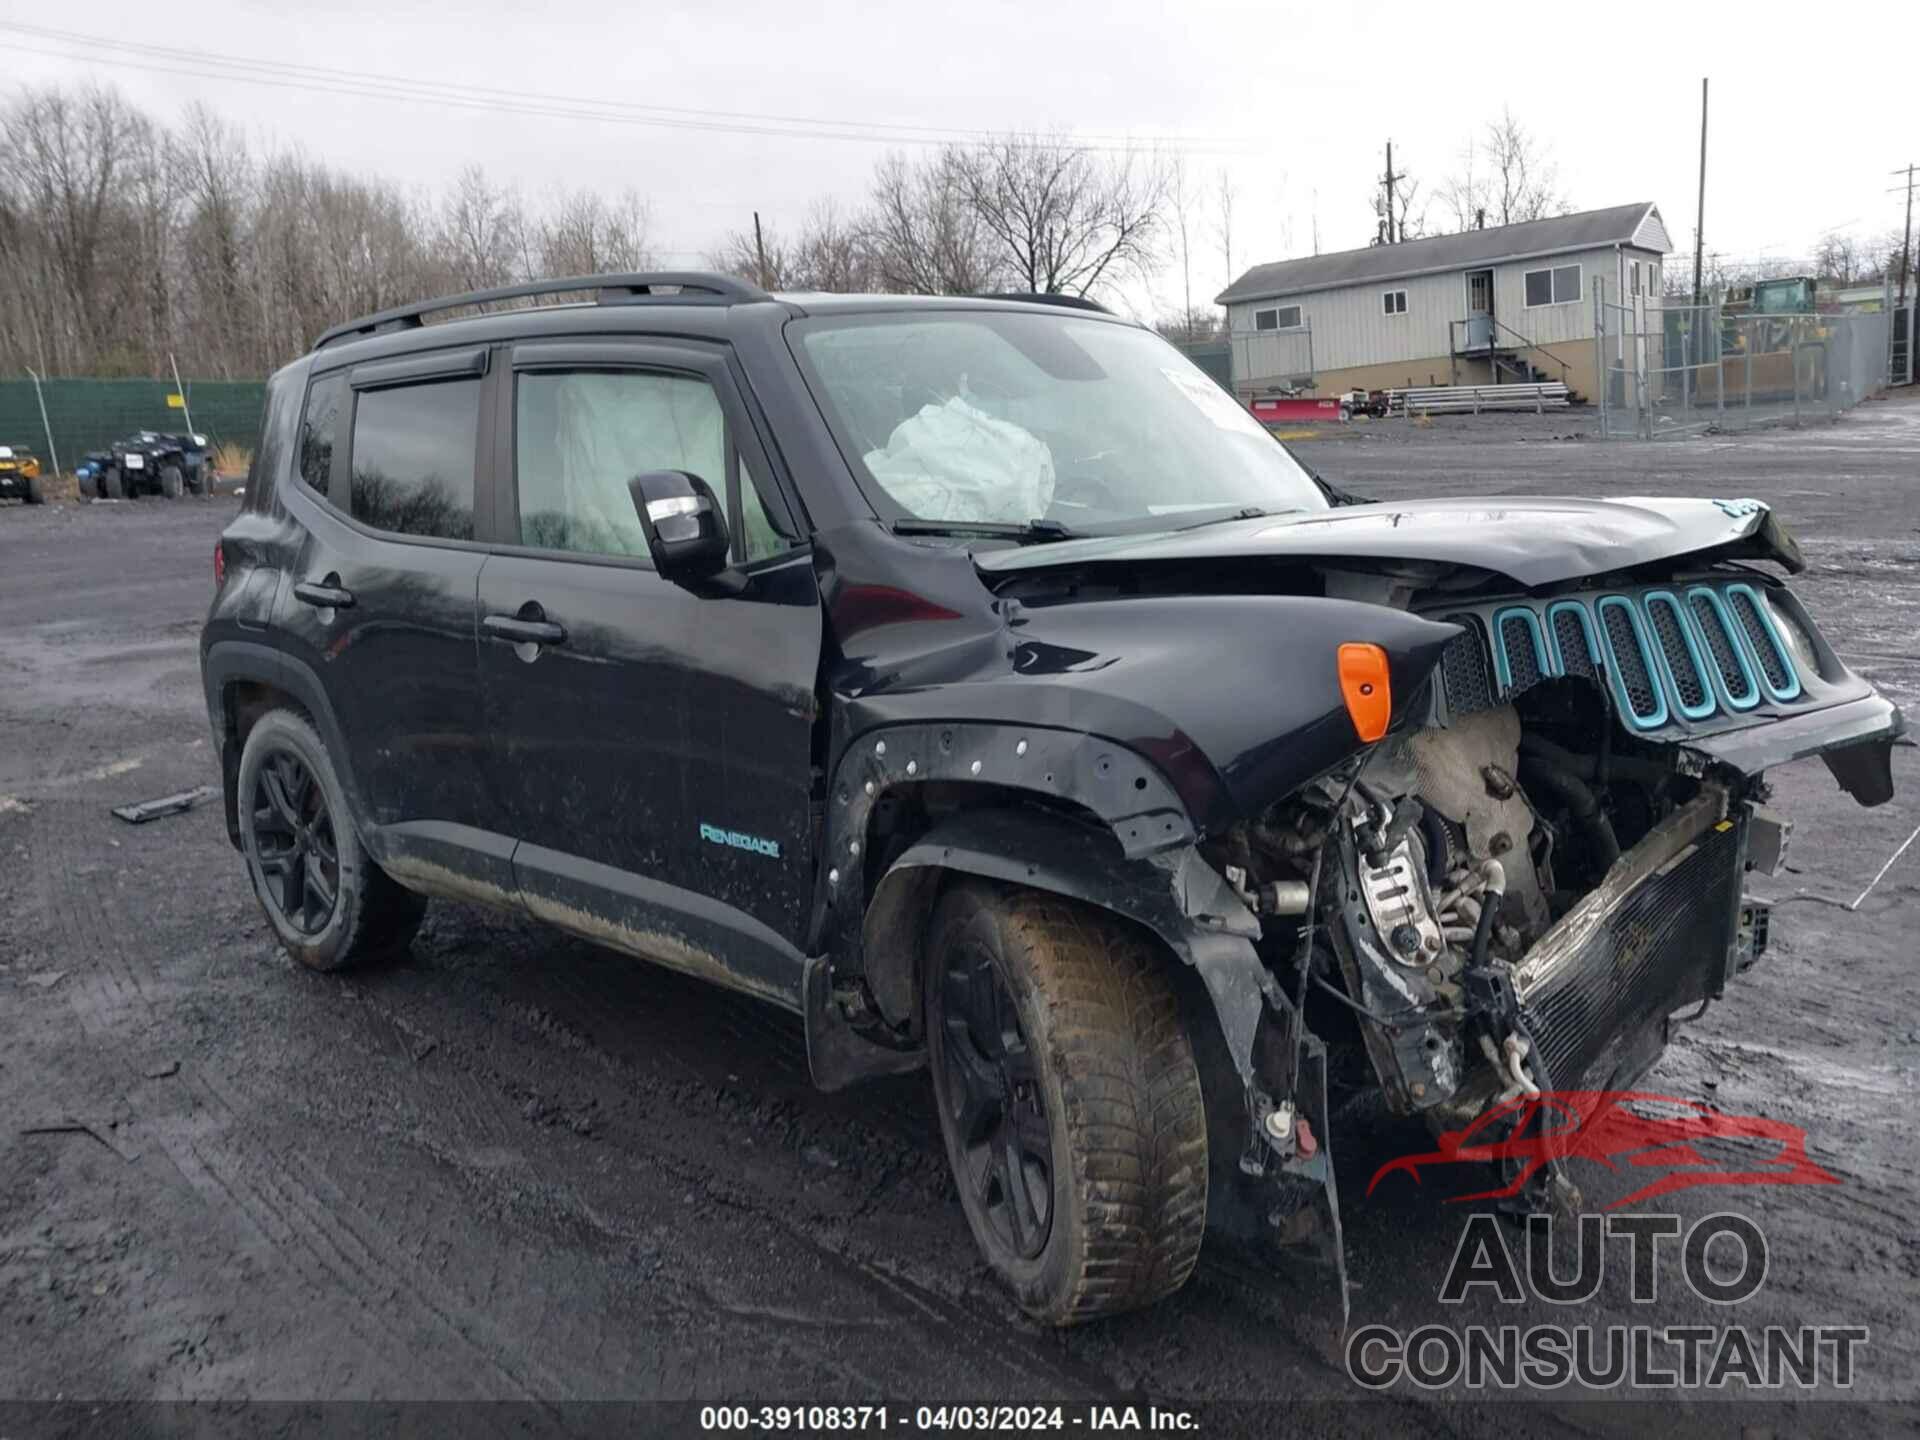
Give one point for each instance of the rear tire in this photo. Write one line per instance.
(114, 486)
(36, 490)
(170, 483)
(329, 904)
(1052, 1026)
(88, 484)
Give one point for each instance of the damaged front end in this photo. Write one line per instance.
(1522, 888)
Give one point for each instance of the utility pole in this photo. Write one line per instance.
(760, 250)
(181, 391)
(1900, 335)
(53, 450)
(1700, 217)
(1906, 241)
(1392, 235)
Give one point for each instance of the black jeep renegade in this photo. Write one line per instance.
(977, 680)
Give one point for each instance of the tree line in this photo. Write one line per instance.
(124, 240)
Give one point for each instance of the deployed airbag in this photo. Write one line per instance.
(954, 462)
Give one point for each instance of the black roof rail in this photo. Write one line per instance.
(1036, 297)
(694, 286)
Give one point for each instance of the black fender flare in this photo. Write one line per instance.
(1174, 893)
(229, 662)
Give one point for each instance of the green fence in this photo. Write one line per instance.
(92, 414)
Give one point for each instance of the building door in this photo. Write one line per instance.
(1479, 309)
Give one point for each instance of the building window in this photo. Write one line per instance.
(1393, 302)
(1558, 286)
(1636, 277)
(1286, 317)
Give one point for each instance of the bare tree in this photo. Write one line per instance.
(831, 253)
(1223, 225)
(761, 258)
(1507, 178)
(479, 232)
(64, 159)
(1064, 220)
(1841, 258)
(1179, 197)
(921, 235)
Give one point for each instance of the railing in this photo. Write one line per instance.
(1491, 346)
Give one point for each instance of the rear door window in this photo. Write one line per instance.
(320, 429)
(413, 458)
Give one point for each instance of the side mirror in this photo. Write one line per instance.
(685, 529)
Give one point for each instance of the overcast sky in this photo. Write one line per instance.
(1295, 102)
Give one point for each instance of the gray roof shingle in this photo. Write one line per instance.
(1587, 230)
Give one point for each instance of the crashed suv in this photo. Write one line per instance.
(978, 681)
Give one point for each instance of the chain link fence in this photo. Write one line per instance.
(91, 414)
(1272, 362)
(1671, 370)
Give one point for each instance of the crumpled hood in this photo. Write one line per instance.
(1535, 540)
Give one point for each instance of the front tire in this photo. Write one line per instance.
(1069, 1100)
(36, 490)
(170, 482)
(329, 904)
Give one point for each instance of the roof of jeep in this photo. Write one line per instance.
(696, 300)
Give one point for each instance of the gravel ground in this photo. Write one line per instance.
(519, 1168)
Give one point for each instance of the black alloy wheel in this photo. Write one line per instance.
(295, 842)
(995, 1104)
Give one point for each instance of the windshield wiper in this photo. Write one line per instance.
(1028, 530)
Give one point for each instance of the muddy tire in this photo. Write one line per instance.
(171, 484)
(36, 490)
(1069, 1101)
(329, 904)
(111, 485)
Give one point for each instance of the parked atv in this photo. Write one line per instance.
(20, 475)
(148, 463)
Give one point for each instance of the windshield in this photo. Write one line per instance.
(996, 417)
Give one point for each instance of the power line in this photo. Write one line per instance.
(455, 95)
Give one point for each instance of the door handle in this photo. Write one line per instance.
(516, 631)
(327, 594)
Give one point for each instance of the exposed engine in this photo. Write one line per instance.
(1511, 903)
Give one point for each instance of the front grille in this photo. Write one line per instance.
(1691, 687)
(1570, 639)
(1711, 620)
(1519, 649)
(1630, 662)
(1463, 668)
(1774, 666)
(1666, 655)
(1665, 929)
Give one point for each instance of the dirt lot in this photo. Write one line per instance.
(519, 1168)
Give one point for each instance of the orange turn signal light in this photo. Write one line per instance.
(1364, 686)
